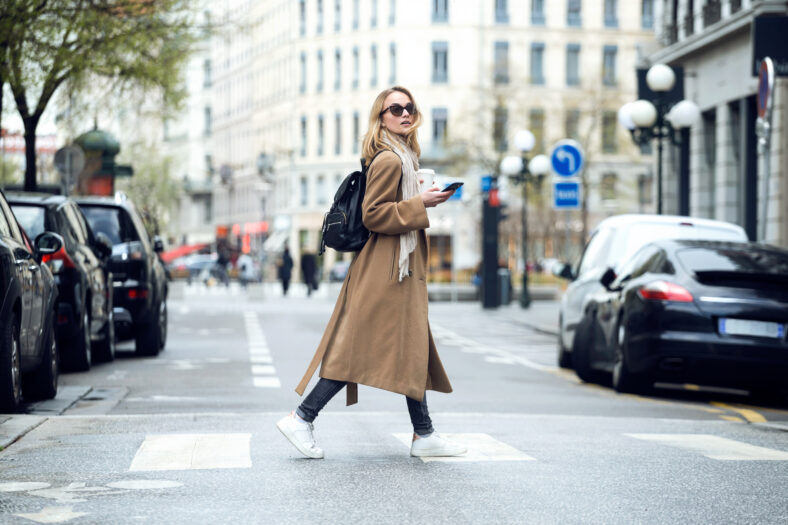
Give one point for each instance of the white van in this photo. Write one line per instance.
(611, 244)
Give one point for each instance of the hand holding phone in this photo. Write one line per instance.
(453, 186)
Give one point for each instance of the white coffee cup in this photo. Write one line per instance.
(426, 175)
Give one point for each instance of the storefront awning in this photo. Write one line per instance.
(275, 242)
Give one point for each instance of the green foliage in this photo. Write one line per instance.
(10, 173)
(139, 43)
(152, 188)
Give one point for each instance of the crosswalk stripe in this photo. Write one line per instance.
(263, 371)
(192, 452)
(266, 382)
(716, 447)
(481, 447)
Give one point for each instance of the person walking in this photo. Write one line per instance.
(379, 333)
(285, 270)
(309, 272)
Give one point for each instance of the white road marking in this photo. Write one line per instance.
(267, 382)
(192, 452)
(263, 370)
(716, 447)
(73, 492)
(481, 447)
(144, 484)
(21, 486)
(52, 515)
(256, 358)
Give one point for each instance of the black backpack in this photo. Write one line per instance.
(343, 228)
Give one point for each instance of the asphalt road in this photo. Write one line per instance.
(189, 436)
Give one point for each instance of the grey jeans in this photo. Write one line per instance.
(325, 389)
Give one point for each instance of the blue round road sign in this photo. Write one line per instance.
(567, 158)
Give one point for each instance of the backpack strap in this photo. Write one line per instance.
(365, 166)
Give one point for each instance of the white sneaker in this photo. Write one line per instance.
(435, 446)
(299, 433)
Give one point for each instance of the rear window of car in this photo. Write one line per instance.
(112, 222)
(31, 218)
(733, 260)
(636, 236)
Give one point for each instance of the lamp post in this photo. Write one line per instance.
(521, 171)
(648, 119)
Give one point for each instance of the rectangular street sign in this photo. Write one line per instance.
(566, 195)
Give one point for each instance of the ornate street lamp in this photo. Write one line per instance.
(522, 171)
(648, 119)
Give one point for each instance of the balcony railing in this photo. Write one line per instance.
(689, 24)
(712, 12)
(671, 34)
(735, 6)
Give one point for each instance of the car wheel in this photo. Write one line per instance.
(81, 355)
(43, 382)
(162, 324)
(147, 342)
(624, 381)
(105, 348)
(564, 356)
(10, 367)
(581, 353)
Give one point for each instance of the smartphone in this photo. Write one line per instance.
(453, 186)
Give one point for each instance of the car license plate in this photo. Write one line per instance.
(749, 327)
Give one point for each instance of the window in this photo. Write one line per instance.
(319, 16)
(611, 19)
(573, 13)
(356, 130)
(536, 125)
(647, 14)
(322, 198)
(392, 63)
(355, 14)
(302, 84)
(440, 11)
(572, 124)
(710, 139)
(609, 65)
(319, 71)
(392, 12)
(321, 135)
(439, 118)
(501, 63)
(373, 80)
(573, 64)
(303, 136)
(337, 69)
(607, 187)
(207, 121)
(304, 191)
(337, 134)
(355, 68)
(302, 17)
(500, 128)
(207, 79)
(501, 12)
(337, 15)
(537, 63)
(609, 142)
(373, 21)
(537, 12)
(440, 60)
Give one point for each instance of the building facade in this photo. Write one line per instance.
(713, 41)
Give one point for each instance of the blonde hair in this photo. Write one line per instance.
(373, 142)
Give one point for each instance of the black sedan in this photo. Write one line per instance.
(84, 322)
(28, 352)
(706, 312)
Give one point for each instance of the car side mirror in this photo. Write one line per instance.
(563, 271)
(47, 243)
(607, 278)
(102, 245)
(158, 244)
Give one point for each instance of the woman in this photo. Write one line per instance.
(379, 334)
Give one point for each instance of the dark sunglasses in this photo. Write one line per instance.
(396, 109)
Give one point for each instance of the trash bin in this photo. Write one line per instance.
(504, 285)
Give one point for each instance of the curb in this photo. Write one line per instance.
(16, 426)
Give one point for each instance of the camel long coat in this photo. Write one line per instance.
(379, 333)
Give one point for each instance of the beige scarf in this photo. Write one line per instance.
(410, 188)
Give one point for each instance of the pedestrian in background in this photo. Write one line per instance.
(379, 333)
(285, 270)
(309, 272)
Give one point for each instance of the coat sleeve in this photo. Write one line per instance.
(381, 212)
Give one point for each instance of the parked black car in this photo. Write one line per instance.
(680, 311)
(83, 325)
(140, 280)
(29, 361)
